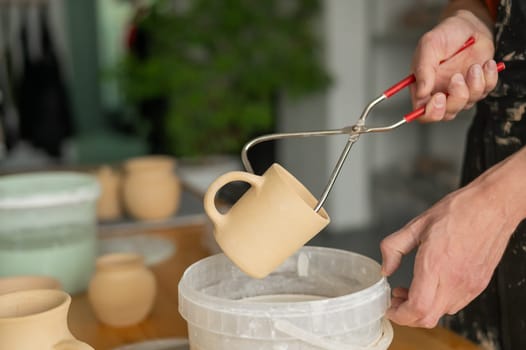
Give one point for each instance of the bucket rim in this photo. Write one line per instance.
(230, 306)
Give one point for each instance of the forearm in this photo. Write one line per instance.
(504, 186)
(477, 7)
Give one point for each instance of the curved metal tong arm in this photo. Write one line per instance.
(356, 130)
(270, 137)
(353, 132)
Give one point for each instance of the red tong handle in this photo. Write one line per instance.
(417, 113)
(410, 79)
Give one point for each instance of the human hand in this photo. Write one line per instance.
(460, 241)
(467, 77)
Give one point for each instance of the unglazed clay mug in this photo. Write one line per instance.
(37, 319)
(269, 223)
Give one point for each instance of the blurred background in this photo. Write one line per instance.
(90, 83)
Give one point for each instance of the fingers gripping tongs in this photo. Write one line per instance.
(355, 130)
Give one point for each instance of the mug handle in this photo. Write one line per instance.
(72, 344)
(209, 200)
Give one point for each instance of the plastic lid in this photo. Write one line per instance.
(46, 189)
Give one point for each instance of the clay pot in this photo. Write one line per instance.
(122, 290)
(151, 190)
(36, 319)
(20, 283)
(108, 204)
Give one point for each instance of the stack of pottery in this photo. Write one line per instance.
(147, 188)
(122, 290)
(150, 189)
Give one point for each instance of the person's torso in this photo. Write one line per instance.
(502, 115)
(510, 48)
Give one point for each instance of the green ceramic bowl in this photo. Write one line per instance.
(48, 226)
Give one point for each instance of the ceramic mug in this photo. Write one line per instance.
(269, 223)
(37, 319)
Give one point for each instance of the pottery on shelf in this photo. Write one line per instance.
(122, 290)
(20, 283)
(109, 203)
(36, 319)
(151, 190)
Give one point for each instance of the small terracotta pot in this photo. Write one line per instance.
(122, 290)
(151, 190)
(20, 283)
(108, 204)
(37, 319)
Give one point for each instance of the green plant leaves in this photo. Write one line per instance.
(219, 64)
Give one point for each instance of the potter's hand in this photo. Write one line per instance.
(460, 241)
(468, 77)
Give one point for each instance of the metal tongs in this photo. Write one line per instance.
(355, 130)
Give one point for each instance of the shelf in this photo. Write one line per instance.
(190, 213)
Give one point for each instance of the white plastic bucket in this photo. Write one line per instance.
(48, 226)
(346, 299)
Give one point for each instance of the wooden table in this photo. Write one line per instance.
(165, 320)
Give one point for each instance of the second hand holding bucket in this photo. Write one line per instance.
(356, 130)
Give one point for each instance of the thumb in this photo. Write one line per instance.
(425, 83)
(426, 60)
(394, 247)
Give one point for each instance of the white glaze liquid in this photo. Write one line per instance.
(283, 298)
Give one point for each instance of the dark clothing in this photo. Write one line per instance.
(497, 318)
